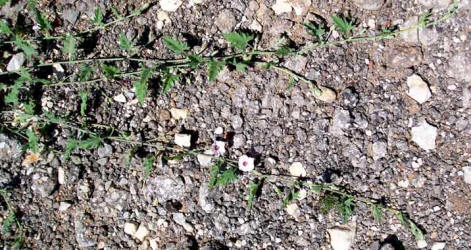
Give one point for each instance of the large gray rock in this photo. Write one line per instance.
(369, 4)
(9, 148)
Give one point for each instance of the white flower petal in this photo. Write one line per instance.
(219, 148)
(246, 163)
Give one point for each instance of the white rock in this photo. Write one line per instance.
(460, 67)
(379, 150)
(120, 98)
(179, 218)
(130, 228)
(302, 194)
(281, 6)
(153, 244)
(438, 246)
(369, 4)
(163, 19)
(195, 2)
(170, 5)
(403, 184)
(16, 62)
(424, 135)
(183, 140)
(255, 25)
(218, 131)
(61, 176)
(418, 89)
(435, 4)
(58, 67)
(205, 160)
(297, 169)
(326, 95)
(64, 206)
(421, 243)
(342, 237)
(467, 174)
(178, 114)
(203, 195)
(300, 6)
(293, 210)
(141, 232)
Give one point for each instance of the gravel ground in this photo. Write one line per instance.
(400, 129)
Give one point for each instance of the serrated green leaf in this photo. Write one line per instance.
(70, 46)
(425, 19)
(317, 187)
(346, 209)
(92, 142)
(3, 2)
(169, 81)
(141, 85)
(83, 101)
(124, 42)
(110, 71)
(148, 164)
(343, 25)
(29, 107)
(240, 65)
(72, 144)
(284, 50)
(289, 198)
(4, 29)
(377, 211)
(253, 190)
(8, 222)
(116, 12)
(12, 96)
(85, 72)
(33, 141)
(176, 46)
(238, 40)
(214, 174)
(195, 60)
(39, 17)
(226, 177)
(98, 18)
(214, 68)
(315, 29)
(29, 50)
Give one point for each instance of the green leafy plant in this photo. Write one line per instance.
(220, 177)
(315, 29)
(8, 222)
(124, 42)
(39, 17)
(70, 46)
(110, 71)
(93, 142)
(214, 68)
(25, 46)
(377, 211)
(169, 80)
(407, 222)
(4, 29)
(3, 2)
(292, 195)
(141, 85)
(148, 164)
(254, 188)
(238, 40)
(33, 141)
(98, 17)
(343, 25)
(83, 101)
(343, 205)
(176, 46)
(85, 72)
(72, 144)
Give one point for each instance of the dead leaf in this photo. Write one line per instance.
(32, 158)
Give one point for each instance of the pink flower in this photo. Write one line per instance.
(219, 148)
(246, 163)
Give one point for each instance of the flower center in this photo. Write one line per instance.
(245, 163)
(216, 147)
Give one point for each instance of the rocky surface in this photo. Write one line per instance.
(383, 134)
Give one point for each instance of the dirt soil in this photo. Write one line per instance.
(363, 141)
